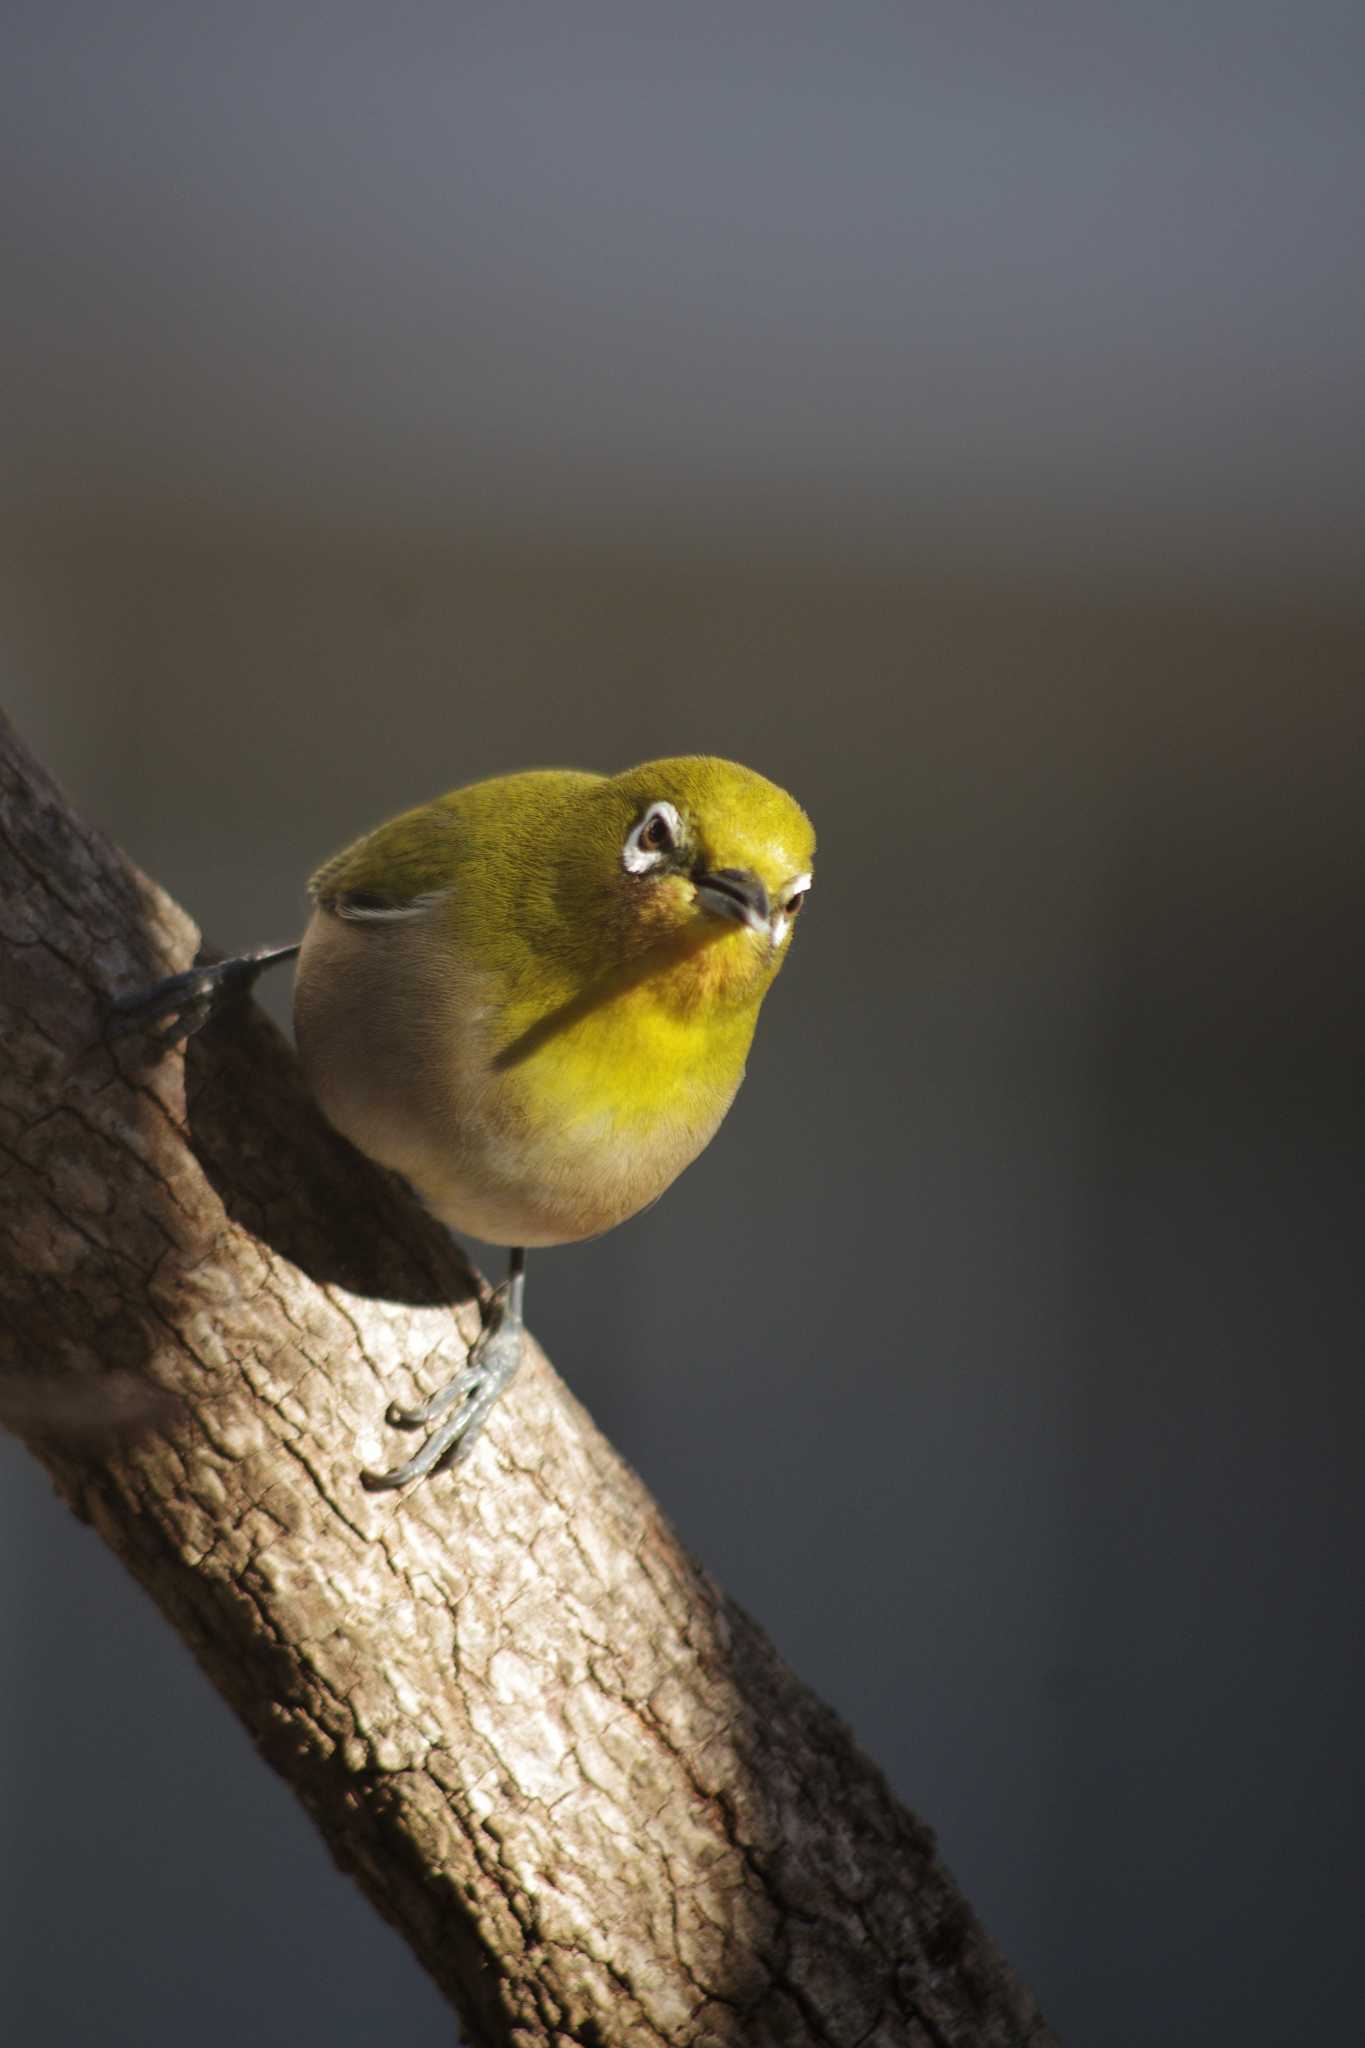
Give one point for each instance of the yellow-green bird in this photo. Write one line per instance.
(534, 998)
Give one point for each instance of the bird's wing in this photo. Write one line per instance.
(398, 871)
(361, 906)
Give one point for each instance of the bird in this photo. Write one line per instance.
(532, 997)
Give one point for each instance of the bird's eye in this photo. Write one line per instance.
(799, 891)
(649, 842)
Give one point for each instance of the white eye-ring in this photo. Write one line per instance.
(649, 843)
(791, 903)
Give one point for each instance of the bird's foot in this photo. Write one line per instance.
(461, 1407)
(173, 1010)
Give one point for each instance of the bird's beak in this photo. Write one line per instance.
(735, 893)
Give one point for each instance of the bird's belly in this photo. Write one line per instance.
(577, 1135)
(569, 1143)
(518, 1188)
(593, 1125)
(547, 1149)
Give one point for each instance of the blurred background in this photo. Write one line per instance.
(956, 413)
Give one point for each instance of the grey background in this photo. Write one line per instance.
(956, 414)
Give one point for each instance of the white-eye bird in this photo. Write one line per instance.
(534, 998)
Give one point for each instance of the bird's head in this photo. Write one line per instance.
(711, 865)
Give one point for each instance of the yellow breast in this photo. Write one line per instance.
(602, 1104)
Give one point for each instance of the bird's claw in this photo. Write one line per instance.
(461, 1407)
(173, 1010)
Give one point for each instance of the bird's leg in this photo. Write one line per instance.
(172, 1010)
(461, 1408)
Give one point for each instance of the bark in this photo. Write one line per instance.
(571, 1772)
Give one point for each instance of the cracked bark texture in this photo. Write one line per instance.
(573, 1774)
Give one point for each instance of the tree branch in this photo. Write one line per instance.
(571, 1772)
